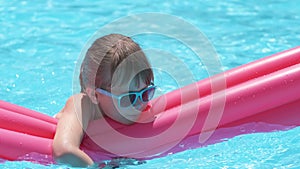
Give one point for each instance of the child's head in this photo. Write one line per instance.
(116, 64)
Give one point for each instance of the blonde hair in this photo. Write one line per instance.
(105, 55)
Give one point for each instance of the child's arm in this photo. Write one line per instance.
(69, 133)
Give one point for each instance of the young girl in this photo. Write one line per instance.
(116, 82)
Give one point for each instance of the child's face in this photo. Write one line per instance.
(111, 107)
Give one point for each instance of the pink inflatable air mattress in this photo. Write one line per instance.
(259, 96)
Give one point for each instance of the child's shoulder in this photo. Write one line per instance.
(80, 100)
(78, 97)
(79, 103)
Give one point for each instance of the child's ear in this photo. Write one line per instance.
(92, 95)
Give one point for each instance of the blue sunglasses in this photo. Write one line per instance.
(128, 99)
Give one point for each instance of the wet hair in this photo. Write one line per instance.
(103, 64)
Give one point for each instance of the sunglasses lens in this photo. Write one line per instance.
(128, 100)
(147, 95)
(131, 98)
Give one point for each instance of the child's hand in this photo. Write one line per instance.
(120, 162)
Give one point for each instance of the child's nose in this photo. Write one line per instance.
(139, 104)
(138, 101)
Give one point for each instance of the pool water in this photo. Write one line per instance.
(41, 42)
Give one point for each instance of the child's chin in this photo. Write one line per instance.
(129, 120)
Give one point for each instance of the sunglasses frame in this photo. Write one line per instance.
(118, 97)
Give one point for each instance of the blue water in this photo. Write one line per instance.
(41, 41)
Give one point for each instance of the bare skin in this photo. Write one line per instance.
(74, 118)
(70, 130)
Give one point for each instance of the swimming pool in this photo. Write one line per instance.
(41, 42)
